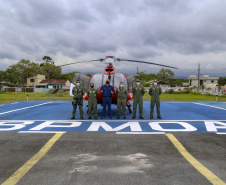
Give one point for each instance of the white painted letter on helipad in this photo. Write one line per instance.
(187, 127)
(14, 125)
(212, 127)
(95, 126)
(49, 124)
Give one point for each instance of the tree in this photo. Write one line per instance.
(18, 73)
(222, 81)
(178, 82)
(12, 75)
(3, 76)
(48, 60)
(165, 75)
(146, 77)
(68, 76)
(54, 73)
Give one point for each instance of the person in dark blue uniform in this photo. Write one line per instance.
(107, 91)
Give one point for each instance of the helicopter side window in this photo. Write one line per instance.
(105, 77)
(84, 80)
(97, 80)
(131, 81)
(120, 78)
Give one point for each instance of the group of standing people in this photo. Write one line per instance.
(107, 91)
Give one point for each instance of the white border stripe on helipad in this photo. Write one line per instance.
(101, 120)
(221, 133)
(9, 103)
(24, 108)
(209, 106)
(37, 132)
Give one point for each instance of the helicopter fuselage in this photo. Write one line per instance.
(99, 80)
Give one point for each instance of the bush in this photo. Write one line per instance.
(187, 91)
(196, 93)
(12, 85)
(208, 94)
(50, 91)
(171, 91)
(179, 92)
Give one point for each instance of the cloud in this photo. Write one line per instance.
(173, 32)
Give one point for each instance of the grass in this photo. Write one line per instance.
(163, 97)
(31, 96)
(187, 97)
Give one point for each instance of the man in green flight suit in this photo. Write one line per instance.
(155, 91)
(92, 102)
(78, 93)
(138, 93)
(121, 100)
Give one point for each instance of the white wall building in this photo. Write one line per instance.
(205, 80)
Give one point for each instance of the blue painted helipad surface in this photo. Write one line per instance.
(40, 116)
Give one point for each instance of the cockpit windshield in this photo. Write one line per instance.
(100, 79)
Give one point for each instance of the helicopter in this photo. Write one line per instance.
(99, 79)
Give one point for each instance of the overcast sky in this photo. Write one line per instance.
(180, 33)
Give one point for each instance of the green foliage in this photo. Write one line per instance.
(54, 73)
(68, 76)
(196, 93)
(3, 76)
(18, 73)
(89, 75)
(177, 81)
(146, 77)
(208, 94)
(194, 88)
(187, 91)
(48, 60)
(12, 85)
(222, 81)
(165, 75)
(171, 91)
(202, 87)
(186, 97)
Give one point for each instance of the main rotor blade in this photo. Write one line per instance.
(100, 59)
(62, 65)
(119, 59)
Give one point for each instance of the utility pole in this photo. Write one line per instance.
(198, 77)
(137, 71)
